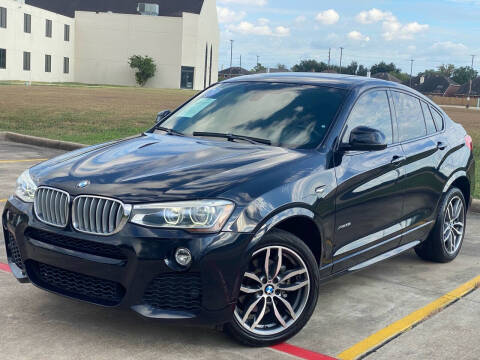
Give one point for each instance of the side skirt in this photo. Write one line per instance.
(384, 256)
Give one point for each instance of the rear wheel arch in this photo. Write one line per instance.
(459, 180)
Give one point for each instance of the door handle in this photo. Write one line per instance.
(441, 145)
(398, 159)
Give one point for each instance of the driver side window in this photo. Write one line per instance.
(372, 110)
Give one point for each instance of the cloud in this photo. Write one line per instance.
(247, 28)
(263, 21)
(449, 47)
(395, 30)
(245, 2)
(226, 15)
(300, 19)
(358, 36)
(392, 28)
(328, 17)
(374, 15)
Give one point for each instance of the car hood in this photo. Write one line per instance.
(154, 167)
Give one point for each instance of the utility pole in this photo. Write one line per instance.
(240, 61)
(411, 71)
(231, 57)
(258, 59)
(471, 78)
(341, 56)
(329, 56)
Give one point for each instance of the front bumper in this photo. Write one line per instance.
(134, 268)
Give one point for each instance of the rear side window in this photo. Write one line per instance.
(411, 124)
(372, 110)
(431, 129)
(438, 119)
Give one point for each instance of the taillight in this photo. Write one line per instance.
(469, 142)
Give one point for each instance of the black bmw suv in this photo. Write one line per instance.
(234, 208)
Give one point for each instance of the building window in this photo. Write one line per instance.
(211, 62)
(27, 23)
(48, 63)
(3, 59)
(206, 64)
(48, 28)
(66, 35)
(3, 17)
(26, 61)
(66, 65)
(187, 77)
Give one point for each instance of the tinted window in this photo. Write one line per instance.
(290, 115)
(428, 119)
(3, 58)
(27, 23)
(66, 65)
(66, 33)
(48, 28)
(411, 124)
(48, 63)
(438, 119)
(26, 61)
(3, 17)
(372, 110)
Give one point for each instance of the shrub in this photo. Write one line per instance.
(145, 66)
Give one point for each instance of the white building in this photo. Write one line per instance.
(90, 41)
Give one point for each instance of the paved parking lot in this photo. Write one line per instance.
(39, 325)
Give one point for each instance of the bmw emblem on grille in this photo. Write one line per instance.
(83, 184)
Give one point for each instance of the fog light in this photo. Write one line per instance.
(183, 256)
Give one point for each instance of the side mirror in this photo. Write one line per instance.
(364, 138)
(162, 115)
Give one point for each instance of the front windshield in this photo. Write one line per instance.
(289, 115)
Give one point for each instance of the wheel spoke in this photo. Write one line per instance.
(279, 263)
(250, 309)
(249, 290)
(277, 314)
(288, 306)
(457, 231)
(291, 274)
(294, 287)
(267, 263)
(261, 315)
(253, 277)
(458, 210)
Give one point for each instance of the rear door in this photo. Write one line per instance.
(424, 147)
(369, 200)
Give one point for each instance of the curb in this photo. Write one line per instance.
(38, 141)
(475, 207)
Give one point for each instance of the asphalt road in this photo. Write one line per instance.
(36, 325)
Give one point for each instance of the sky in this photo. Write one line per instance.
(288, 31)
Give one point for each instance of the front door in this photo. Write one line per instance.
(369, 200)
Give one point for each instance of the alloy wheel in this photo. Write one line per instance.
(274, 291)
(453, 225)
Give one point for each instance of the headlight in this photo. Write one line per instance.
(25, 187)
(197, 216)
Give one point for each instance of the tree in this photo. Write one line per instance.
(362, 71)
(464, 74)
(259, 68)
(446, 70)
(281, 67)
(383, 67)
(351, 69)
(310, 66)
(145, 66)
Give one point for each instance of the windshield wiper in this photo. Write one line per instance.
(169, 131)
(231, 137)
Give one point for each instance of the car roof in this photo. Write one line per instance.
(326, 79)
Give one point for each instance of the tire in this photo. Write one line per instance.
(268, 295)
(437, 248)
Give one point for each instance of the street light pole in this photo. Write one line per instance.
(471, 78)
(231, 57)
(341, 56)
(411, 71)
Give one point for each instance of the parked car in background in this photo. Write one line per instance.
(234, 208)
